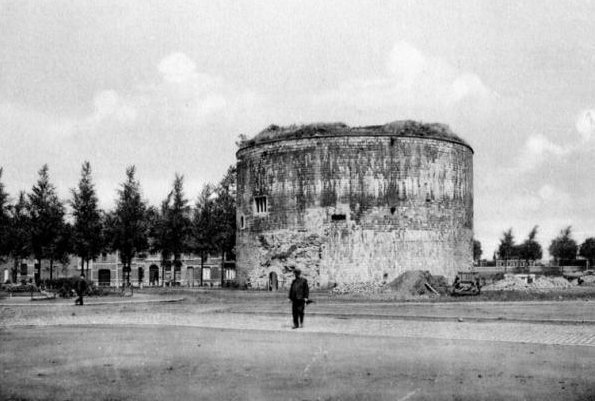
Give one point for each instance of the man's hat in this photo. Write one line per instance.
(296, 270)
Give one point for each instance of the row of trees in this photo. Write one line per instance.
(561, 247)
(36, 224)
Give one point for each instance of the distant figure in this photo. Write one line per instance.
(81, 287)
(298, 295)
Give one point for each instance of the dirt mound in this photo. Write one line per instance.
(415, 282)
(410, 283)
(513, 283)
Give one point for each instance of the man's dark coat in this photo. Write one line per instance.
(299, 289)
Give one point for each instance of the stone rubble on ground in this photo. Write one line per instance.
(412, 284)
(409, 284)
(357, 288)
(513, 283)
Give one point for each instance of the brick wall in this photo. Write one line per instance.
(354, 208)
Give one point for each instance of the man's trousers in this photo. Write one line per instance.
(297, 309)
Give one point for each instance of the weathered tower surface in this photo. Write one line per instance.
(353, 204)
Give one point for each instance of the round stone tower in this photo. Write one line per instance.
(353, 204)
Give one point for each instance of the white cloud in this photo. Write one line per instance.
(537, 149)
(421, 77)
(415, 85)
(585, 124)
(406, 63)
(177, 68)
(109, 104)
(546, 192)
(554, 196)
(468, 85)
(211, 104)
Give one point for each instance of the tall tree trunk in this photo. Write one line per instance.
(222, 267)
(38, 277)
(177, 264)
(202, 265)
(124, 268)
(15, 270)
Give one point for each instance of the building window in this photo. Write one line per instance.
(23, 269)
(242, 222)
(338, 217)
(260, 204)
(230, 274)
(206, 273)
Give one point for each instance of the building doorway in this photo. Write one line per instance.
(104, 277)
(154, 275)
(190, 276)
(273, 282)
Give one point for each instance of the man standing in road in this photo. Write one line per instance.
(81, 287)
(298, 295)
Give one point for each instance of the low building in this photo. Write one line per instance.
(28, 271)
(146, 270)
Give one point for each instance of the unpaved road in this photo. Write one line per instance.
(197, 351)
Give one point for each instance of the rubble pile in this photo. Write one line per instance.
(551, 282)
(358, 288)
(409, 284)
(588, 280)
(513, 283)
(415, 282)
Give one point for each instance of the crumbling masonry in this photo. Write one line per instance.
(360, 204)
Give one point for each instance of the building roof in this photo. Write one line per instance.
(403, 128)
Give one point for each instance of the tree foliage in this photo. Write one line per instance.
(203, 224)
(127, 226)
(587, 250)
(46, 214)
(507, 248)
(563, 246)
(86, 231)
(175, 226)
(19, 244)
(4, 219)
(477, 251)
(530, 249)
(225, 212)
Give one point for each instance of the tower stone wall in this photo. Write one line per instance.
(358, 204)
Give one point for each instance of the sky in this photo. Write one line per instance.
(169, 86)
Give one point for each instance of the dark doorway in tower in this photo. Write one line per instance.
(154, 275)
(141, 275)
(104, 278)
(273, 281)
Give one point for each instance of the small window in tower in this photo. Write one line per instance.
(392, 210)
(260, 204)
(338, 217)
(428, 193)
(242, 222)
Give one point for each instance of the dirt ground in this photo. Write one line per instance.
(148, 352)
